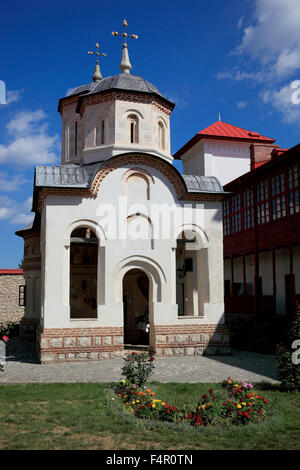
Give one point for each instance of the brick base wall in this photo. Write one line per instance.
(78, 344)
(192, 340)
(66, 344)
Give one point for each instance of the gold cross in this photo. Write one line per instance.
(124, 34)
(97, 53)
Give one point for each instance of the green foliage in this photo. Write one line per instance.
(289, 370)
(137, 368)
(9, 329)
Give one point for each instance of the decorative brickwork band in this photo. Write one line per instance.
(68, 344)
(192, 340)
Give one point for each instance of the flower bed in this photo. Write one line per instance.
(241, 405)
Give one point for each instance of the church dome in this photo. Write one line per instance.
(122, 81)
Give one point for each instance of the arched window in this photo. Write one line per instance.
(133, 129)
(83, 273)
(137, 187)
(161, 136)
(100, 132)
(186, 277)
(71, 140)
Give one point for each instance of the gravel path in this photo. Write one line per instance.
(23, 367)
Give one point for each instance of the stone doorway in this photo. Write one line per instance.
(136, 308)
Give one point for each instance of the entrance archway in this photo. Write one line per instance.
(136, 308)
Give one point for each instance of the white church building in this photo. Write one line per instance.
(124, 250)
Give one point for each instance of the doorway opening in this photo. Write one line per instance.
(136, 309)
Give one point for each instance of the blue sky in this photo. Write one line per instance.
(237, 57)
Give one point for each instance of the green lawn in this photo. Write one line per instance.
(85, 416)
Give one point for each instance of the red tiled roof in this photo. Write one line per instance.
(11, 271)
(223, 130)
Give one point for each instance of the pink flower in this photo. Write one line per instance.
(5, 338)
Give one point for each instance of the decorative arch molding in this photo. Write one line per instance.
(201, 237)
(159, 164)
(162, 119)
(151, 268)
(137, 170)
(130, 111)
(84, 223)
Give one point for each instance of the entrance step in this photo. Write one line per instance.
(129, 348)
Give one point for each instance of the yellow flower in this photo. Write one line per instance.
(123, 381)
(163, 403)
(133, 402)
(235, 385)
(243, 403)
(238, 406)
(138, 401)
(153, 406)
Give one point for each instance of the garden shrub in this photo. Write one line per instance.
(137, 368)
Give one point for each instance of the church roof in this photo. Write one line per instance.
(222, 130)
(122, 81)
(76, 176)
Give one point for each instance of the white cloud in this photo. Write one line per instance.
(12, 96)
(274, 37)
(286, 101)
(15, 213)
(30, 142)
(238, 75)
(242, 104)
(11, 182)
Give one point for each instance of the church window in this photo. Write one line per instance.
(161, 136)
(133, 129)
(75, 138)
(100, 132)
(186, 274)
(83, 273)
(137, 187)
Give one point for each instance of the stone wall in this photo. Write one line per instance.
(192, 340)
(10, 280)
(67, 344)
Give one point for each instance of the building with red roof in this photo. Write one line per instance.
(261, 215)
(225, 151)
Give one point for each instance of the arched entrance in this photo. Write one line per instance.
(136, 308)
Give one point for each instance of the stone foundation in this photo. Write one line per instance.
(192, 340)
(76, 344)
(67, 344)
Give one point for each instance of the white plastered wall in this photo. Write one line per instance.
(222, 159)
(62, 214)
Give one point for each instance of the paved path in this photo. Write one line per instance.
(249, 366)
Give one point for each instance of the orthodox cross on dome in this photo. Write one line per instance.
(97, 77)
(125, 62)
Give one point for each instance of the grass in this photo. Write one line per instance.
(85, 416)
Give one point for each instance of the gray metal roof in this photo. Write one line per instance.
(122, 81)
(197, 184)
(76, 176)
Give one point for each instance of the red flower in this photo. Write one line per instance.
(5, 338)
(152, 358)
(133, 353)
